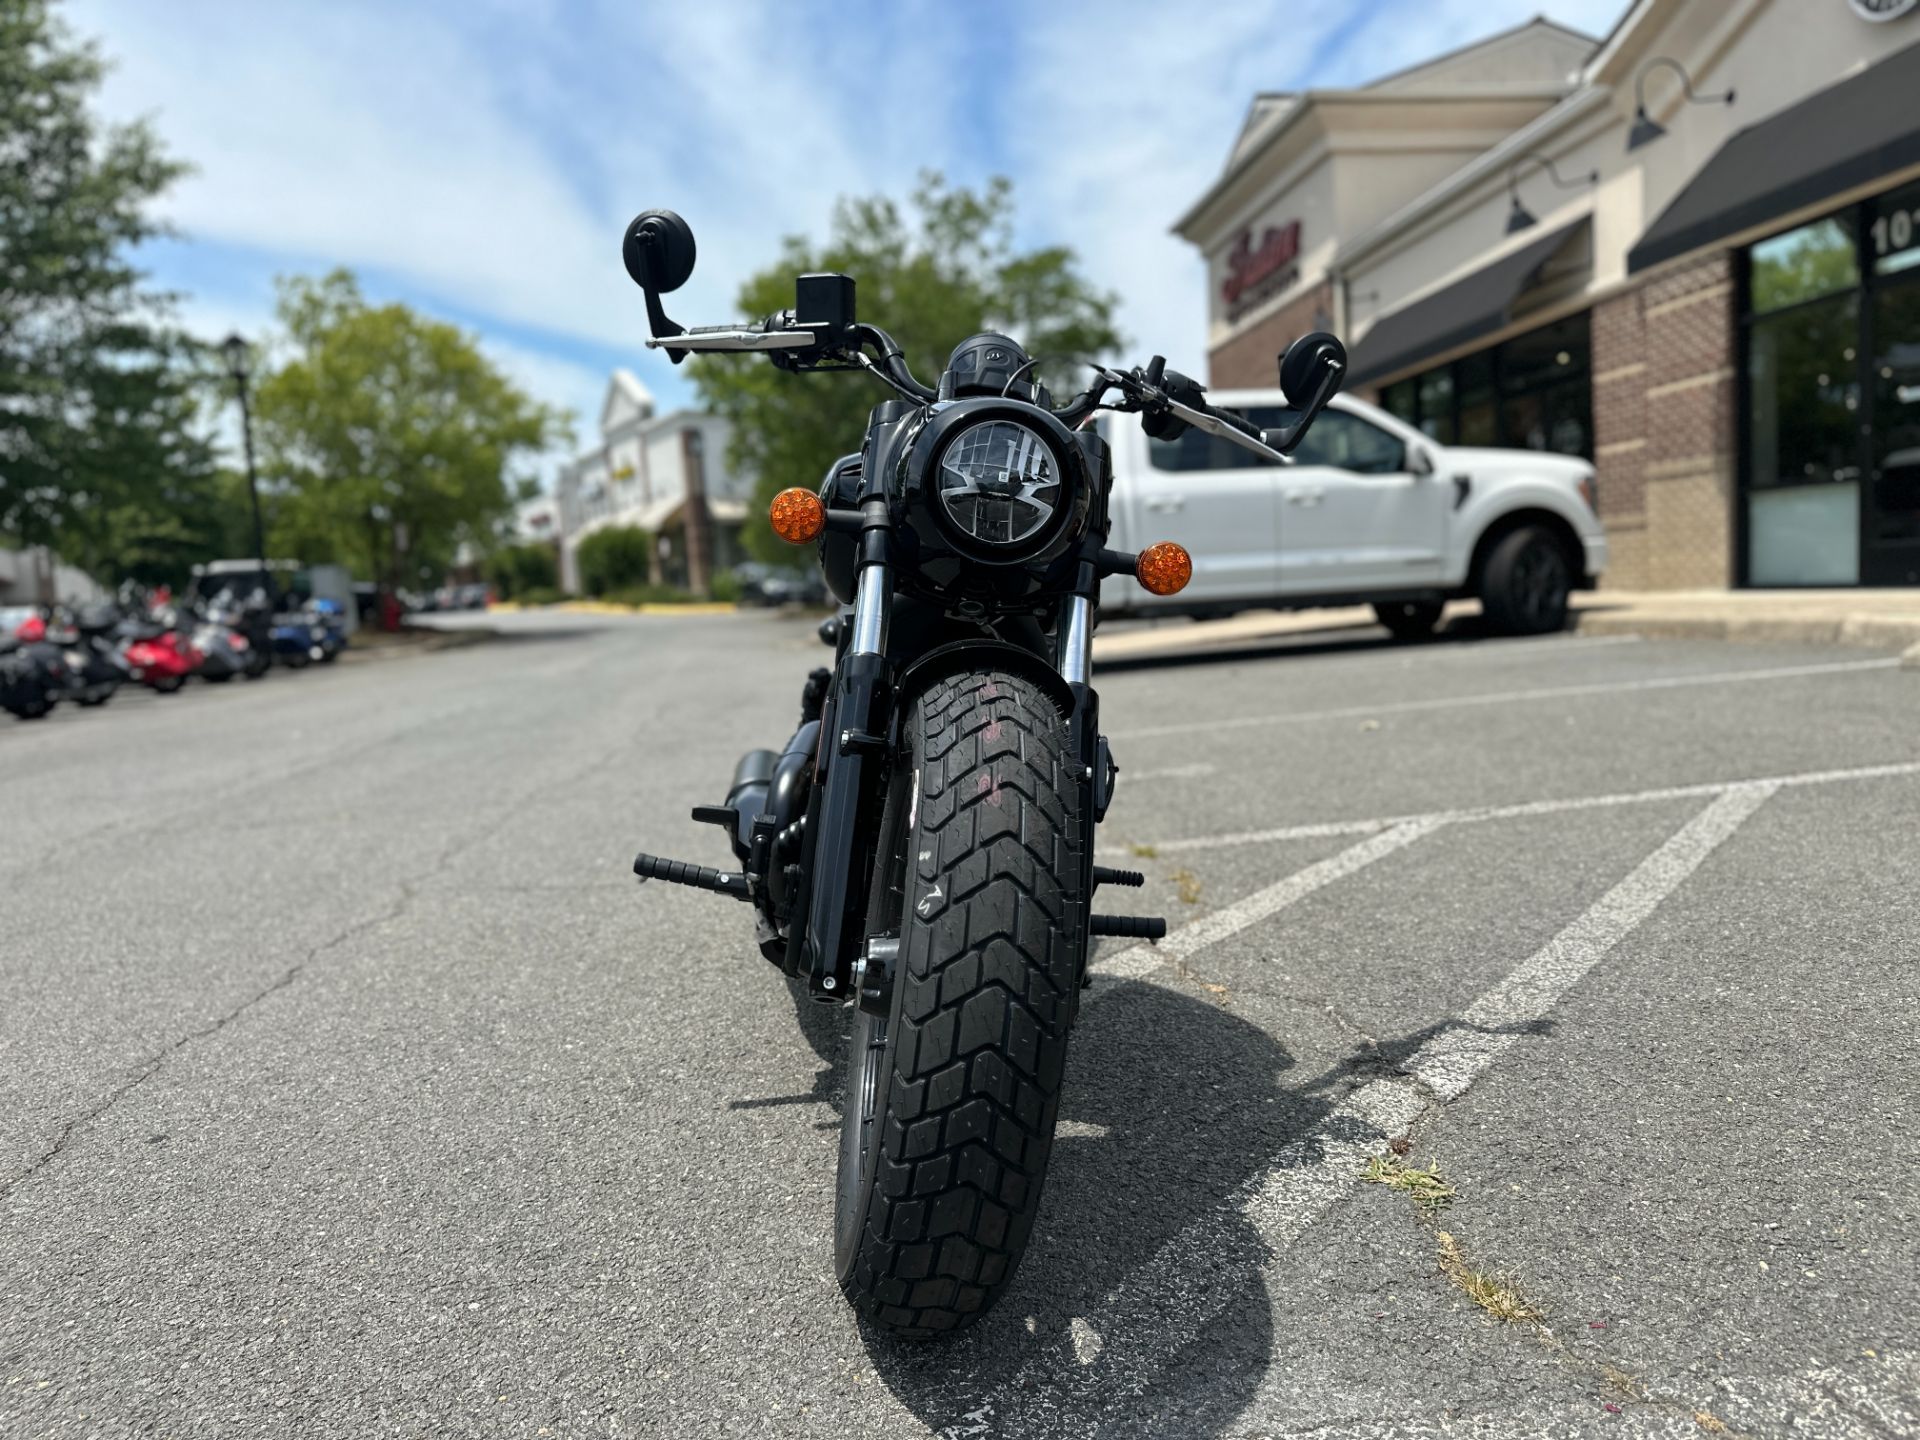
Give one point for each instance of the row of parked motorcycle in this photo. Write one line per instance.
(84, 654)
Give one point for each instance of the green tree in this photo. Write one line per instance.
(388, 438)
(614, 557)
(944, 269)
(516, 569)
(100, 450)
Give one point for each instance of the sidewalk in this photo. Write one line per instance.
(1887, 619)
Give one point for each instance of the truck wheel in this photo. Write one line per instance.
(951, 1097)
(1526, 582)
(1409, 619)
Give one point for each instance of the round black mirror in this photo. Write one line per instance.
(658, 250)
(1305, 364)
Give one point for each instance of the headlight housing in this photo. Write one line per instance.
(999, 483)
(993, 491)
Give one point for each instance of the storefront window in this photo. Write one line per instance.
(1804, 264)
(1830, 473)
(1436, 404)
(1803, 473)
(1535, 392)
(1479, 418)
(1894, 232)
(1895, 512)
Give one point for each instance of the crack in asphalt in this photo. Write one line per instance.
(154, 1064)
(1629, 1389)
(409, 892)
(146, 1073)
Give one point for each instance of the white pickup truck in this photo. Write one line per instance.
(1371, 512)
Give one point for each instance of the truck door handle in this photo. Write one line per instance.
(1166, 504)
(1305, 497)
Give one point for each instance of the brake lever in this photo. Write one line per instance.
(1212, 424)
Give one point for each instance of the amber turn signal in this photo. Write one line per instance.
(1164, 568)
(797, 516)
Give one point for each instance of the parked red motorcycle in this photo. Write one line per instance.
(158, 655)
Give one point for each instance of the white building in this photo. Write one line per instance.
(1688, 250)
(657, 472)
(537, 520)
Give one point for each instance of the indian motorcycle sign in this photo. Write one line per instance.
(1255, 272)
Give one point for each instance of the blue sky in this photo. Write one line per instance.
(478, 158)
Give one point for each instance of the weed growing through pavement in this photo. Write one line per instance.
(1145, 852)
(1497, 1297)
(1426, 1188)
(1186, 885)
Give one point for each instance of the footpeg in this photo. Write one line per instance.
(700, 877)
(1102, 875)
(1128, 927)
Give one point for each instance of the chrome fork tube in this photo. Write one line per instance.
(871, 597)
(1076, 641)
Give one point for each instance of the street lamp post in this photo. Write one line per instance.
(239, 360)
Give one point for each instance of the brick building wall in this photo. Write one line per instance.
(1251, 360)
(1663, 425)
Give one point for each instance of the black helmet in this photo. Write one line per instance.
(987, 364)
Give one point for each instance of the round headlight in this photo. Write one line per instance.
(999, 482)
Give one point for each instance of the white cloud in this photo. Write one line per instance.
(484, 157)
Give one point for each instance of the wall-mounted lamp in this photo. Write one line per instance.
(1518, 216)
(1646, 129)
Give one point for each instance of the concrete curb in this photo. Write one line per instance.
(602, 607)
(404, 649)
(1882, 632)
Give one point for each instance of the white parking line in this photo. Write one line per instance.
(1164, 1304)
(1183, 643)
(1231, 919)
(1474, 815)
(1514, 697)
(1449, 1063)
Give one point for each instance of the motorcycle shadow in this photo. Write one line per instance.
(1172, 1105)
(1142, 1306)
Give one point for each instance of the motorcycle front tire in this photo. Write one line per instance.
(952, 1096)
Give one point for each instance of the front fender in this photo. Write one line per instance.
(945, 660)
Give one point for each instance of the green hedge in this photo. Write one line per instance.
(613, 559)
(518, 570)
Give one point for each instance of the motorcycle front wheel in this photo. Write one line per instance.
(951, 1097)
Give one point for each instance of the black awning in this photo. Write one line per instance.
(1848, 135)
(1463, 312)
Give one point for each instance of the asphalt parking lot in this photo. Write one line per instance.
(351, 1086)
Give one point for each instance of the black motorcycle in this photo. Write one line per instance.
(923, 846)
(30, 686)
(58, 656)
